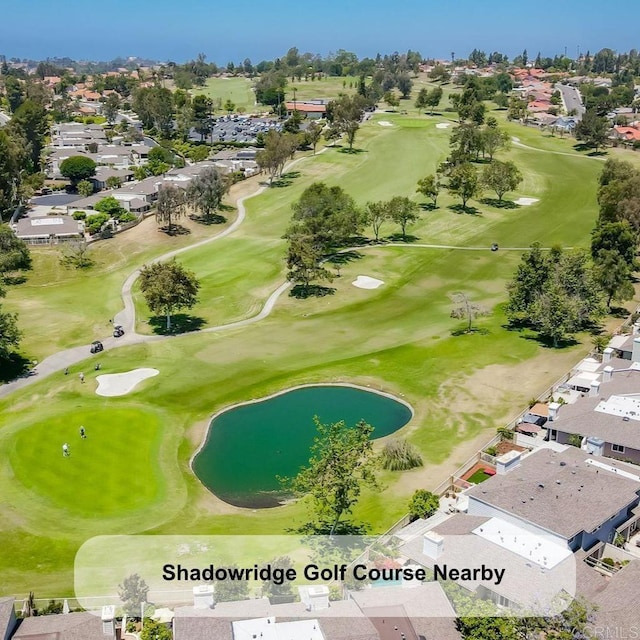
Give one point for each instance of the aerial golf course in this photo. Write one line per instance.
(132, 474)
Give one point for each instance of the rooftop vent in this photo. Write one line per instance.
(625, 419)
(541, 485)
(563, 464)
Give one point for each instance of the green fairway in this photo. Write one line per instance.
(132, 473)
(238, 90)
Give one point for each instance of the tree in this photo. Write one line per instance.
(421, 100)
(152, 630)
(314, 133)
(464, 182)
(133, 592)
(304, 261)
(615, 236)
(405, 84)
(593, 129)
(229, 106)
(111, 207)
(31, 121)
(429, 186)
(613, 275)
(170, 205)
(9, 333)
(168, 287)
(375, 214)
(206, 190)
(342, 463)
(527, 284)
(85, 188)
(13, 159)
(231, 590)
(78, 168)
(493, 139)
(403, 212)
(94, 223)
(554, 313)
(345, 114)
(433, 98)
(391, 99)
(464, 308)
(113, 182)
(328, 215)
(423, 504)
(278, 148)
(501, 177)
(14, 254)
(273, 590)
(75, 253)
(110, 107)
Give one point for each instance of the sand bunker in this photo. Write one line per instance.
(525, 202)
(119, 384)
(443, 125)
(365, 282)
(385, 123)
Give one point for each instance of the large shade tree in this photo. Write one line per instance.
(168, 287)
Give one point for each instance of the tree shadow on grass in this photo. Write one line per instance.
(301, 292)
(597, 154)
(500, 204)
(428, 206)
(180, 323)
(14, 366)
(398, 237)
(353, 151)
(175, 230)
(547, 343)
(471, 211)
(213, 218)
(18, 278)
(481, 331)
(285, 179)
(618, 312)
(345, 257)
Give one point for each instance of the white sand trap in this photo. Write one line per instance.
(443, 125)
(365, 282)
(385, 123)
(525, 202)
(119, 384)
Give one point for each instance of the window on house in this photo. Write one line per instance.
(618, 448)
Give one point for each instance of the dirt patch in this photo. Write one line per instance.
(504, 446)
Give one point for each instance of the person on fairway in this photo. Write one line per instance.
(81, 376)
(83, 435)
(65, 450)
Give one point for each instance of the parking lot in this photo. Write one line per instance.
(237, 129)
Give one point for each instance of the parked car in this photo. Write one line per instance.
(96, 346)
(118, 331)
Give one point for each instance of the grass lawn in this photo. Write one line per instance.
(238, 90)
(132, 473)
(479, 476)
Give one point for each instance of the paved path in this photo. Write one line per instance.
(59, 361)
(517, 143)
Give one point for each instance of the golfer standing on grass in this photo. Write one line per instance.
(83, 435)
(65, 450)
(81, 376)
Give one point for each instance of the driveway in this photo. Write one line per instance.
(55, 200)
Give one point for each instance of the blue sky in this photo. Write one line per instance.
(234, 29)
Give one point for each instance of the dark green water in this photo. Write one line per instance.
(248, 446)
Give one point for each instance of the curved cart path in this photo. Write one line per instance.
(57, 362)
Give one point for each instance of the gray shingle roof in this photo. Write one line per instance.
(575, 497)
(580, 417)
(70, 626)
(6, 616)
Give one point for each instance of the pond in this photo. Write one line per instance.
(249, 445)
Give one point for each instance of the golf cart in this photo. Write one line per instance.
(118, 331)
(494, 246)
(96, 346)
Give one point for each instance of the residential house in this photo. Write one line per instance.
(574, 497)
(48, 229)
(627, 134)
(7, 618)
(99, 180)
(67, 626)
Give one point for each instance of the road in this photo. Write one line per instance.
(571, 99)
